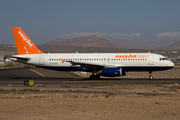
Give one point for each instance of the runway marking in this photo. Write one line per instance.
(37, 72)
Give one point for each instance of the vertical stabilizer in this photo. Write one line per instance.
(23, 43)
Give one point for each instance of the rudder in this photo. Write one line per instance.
(23, 43)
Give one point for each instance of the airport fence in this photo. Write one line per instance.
(141, 76)
(154, 76)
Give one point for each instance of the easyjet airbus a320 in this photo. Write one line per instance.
(100, 64)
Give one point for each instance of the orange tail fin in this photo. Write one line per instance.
(23, 43)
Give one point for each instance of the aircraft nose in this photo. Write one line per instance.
(171, 64)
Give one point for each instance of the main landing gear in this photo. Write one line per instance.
(150, 77)
(92, 77)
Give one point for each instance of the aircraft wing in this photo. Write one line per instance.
(85, 63)
(94, 66)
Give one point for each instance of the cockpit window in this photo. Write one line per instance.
(163, 59)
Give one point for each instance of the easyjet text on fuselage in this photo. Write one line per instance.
(131, 56)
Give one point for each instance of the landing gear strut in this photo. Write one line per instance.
(150, 77)
(92, 77)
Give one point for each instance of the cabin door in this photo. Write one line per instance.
(151, 59)
(41, 60)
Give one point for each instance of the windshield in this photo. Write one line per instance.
(163, 59)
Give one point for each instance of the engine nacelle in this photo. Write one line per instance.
(111, 72)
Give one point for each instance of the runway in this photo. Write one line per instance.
(17, 76)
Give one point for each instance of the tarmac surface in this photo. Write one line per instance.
(17, 76)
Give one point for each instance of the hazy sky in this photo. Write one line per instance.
(123, 21)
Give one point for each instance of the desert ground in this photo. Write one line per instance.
(90, 102)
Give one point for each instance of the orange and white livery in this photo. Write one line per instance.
(100, 64)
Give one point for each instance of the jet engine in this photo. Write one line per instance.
(112, 72)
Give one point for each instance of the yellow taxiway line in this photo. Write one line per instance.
(37, 72)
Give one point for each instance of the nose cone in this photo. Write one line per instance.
(171, 64)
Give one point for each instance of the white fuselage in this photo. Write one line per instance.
(127, 61)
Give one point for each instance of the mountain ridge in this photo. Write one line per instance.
(96, 41)
(173, 46)
(86, 41)
(91, 41)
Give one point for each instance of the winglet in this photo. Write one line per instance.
(23, 43)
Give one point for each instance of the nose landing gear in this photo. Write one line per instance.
(150, 77)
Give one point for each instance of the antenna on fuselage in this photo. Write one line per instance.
(76, 52)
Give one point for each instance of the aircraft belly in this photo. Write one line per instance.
(146, 68)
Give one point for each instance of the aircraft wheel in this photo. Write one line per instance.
(92, 77)
(151, 77)
(97, 76)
